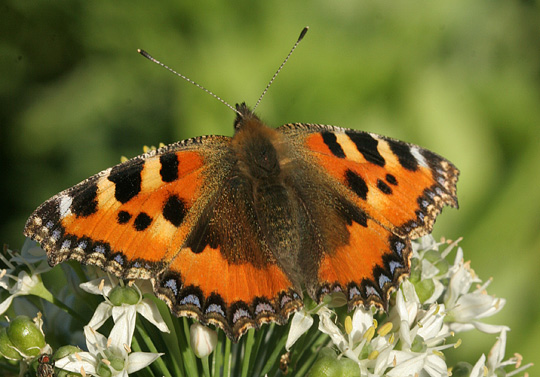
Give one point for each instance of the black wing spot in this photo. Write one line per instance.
(169, 167)
(330, 140)
(85, 201)
(123, 217)
(367, 145)
(356, 183)
(174, 210)
(391, 179)
(142, 221)
(385, 189)
(404, 155)
(127, 180)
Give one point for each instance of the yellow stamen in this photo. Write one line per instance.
(348, 324)
(368, 335)
(373, 355)
(385, 329)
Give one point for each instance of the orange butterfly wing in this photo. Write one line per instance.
(135, 220)
(398, 188)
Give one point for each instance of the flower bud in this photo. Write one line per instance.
(203, 339)
(103, 369)
(65, 351)
(26, 336)
(462, 369)
(328, 365)
(6, 347)
(424, 289)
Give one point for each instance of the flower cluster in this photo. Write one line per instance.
(428, 310)
(437, 301)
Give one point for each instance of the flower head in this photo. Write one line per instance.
(122, 301)
(107, 356)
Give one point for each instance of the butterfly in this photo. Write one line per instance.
(235, 231)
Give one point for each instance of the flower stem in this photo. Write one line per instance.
(247, 352)
(152, 348)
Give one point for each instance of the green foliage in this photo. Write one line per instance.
(460, 78)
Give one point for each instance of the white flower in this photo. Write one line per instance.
(112, 354)
(144, 306)
(411, 364)
(203, 339)
(464, 308)
(33, 256)
(24, 284)
(360, 336)
(495, 364)
(302, 319)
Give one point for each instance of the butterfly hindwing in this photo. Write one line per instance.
(225, 271)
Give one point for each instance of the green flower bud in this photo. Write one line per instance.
(65, 351)
(328, 365)
(424, 289)
(415, 275)
(26, 336)
(103, 370)
(462, 369)
(349, 368)
(65, 373)
(117, 362)
(124, 295)
(325, 366)
(432, 256)
(6, 346)
(418, 344)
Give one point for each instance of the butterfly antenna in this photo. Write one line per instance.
(302, 34)
(152, 59)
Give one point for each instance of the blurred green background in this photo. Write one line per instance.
(459, 77)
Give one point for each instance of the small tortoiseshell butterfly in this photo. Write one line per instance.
(234, 231)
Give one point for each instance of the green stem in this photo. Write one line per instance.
(274, 356)
(247, 352)
(218, 354)
(206, 366)
(160, 363)
(227, 358)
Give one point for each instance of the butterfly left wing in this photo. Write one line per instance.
(388, 191)
(166, 216)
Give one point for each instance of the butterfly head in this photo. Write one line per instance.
(244, 116)
(255, 145)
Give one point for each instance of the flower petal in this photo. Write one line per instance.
(102, 313)
(139, 360)
(148, 309)
(300, 323)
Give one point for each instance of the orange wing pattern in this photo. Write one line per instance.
(135, 219)
(398, 188)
